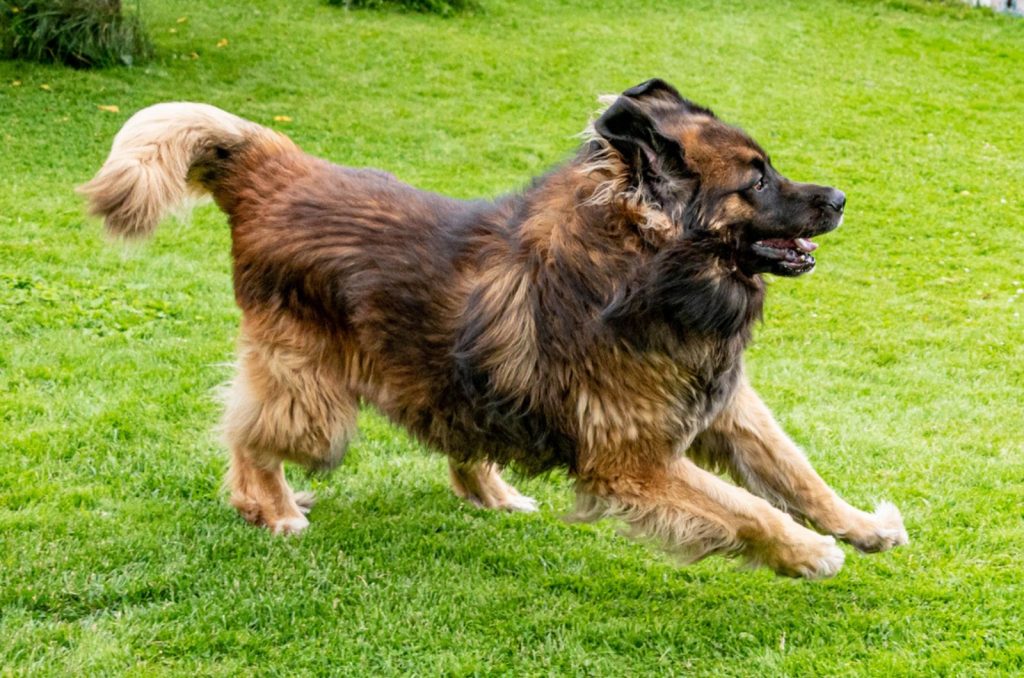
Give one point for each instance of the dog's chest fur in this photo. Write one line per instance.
(627, 398)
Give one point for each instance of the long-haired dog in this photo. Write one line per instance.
(594, 322)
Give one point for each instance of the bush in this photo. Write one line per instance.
(442, 7)
(79, 33)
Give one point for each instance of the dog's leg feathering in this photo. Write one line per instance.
(692, 514)
(747, 441)
(282, 405)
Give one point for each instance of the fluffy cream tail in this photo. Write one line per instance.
(151, 169)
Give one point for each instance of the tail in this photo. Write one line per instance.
(156, 164)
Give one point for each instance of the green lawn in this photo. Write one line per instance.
(899, 365)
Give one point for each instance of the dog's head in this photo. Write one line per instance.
(710, 179)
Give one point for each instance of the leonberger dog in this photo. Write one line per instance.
(595, 321)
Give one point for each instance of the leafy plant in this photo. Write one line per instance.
(79, 33)
(442, 7)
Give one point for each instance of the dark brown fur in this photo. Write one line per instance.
(595, 322)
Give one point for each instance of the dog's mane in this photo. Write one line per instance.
(598, 158)
(667, 276)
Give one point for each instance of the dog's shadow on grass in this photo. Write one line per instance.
(404, 543)
(539, 574)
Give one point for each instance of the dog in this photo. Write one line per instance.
(595, 322)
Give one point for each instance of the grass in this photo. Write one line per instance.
(898, 366)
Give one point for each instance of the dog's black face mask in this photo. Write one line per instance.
(714, 180)
(785, 215)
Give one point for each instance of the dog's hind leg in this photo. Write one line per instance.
(747, 441)
(480, 484)
(284, 404)
(261, 494)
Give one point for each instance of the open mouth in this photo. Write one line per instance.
(786, 257)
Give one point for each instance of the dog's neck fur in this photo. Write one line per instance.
(675, 278)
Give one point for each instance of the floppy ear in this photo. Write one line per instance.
(634, 133)
(657, 90)
(655, 87)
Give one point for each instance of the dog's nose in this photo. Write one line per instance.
(836, 200)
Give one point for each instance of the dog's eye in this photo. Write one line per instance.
(759, 186)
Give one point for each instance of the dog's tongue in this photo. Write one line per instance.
(805, 245)
(802, 244)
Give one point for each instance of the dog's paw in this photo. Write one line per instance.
(880, 531)
(289, 519)
(820, 560)
(512, 502)
(481, 485)
(520, 503)
(807, 556)
(826, 563)
(287, 526)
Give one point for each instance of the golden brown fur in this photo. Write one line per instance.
(596, 322)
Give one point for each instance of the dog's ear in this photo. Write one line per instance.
(635, 134)
(655, 88)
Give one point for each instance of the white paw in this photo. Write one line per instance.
(827, 563)
(287, 526)
(803, 554)
(520, 503)
(885, 530)
(891, 524)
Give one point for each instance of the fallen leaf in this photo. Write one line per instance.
(45, 87)
(182, 19)
(16, 83)
(223, 42)
(109, 109)
(282, 118)
(193, 56)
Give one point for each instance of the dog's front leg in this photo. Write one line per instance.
(746, 440)
(693, 513)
